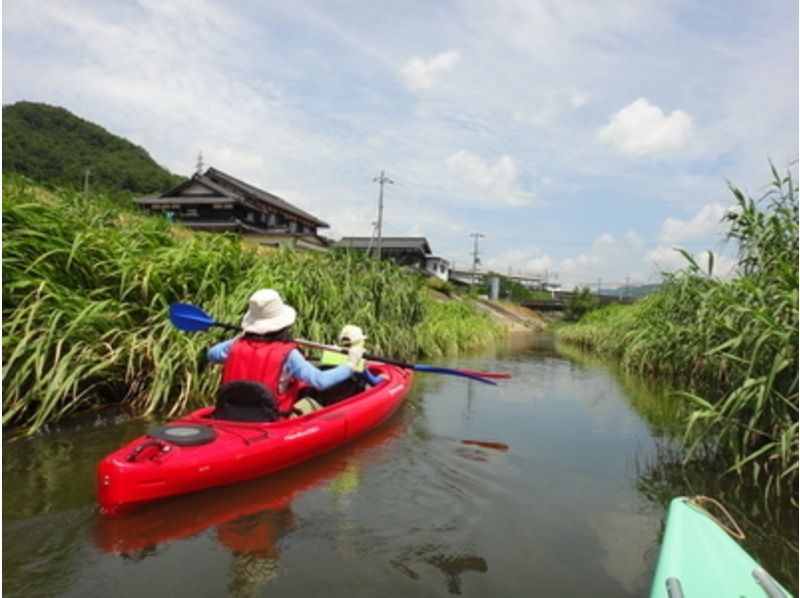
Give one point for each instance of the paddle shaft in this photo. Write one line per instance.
(324, 347)
(367, 356)
(370, 357)
(191, 318)
(485, 377)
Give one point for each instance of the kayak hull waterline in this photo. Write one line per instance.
(699, 559)
(151, 467)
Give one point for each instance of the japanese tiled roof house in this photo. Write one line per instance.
(414, 252)
(217, 202)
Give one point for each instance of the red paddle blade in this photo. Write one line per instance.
(498, 446)
(492, 375)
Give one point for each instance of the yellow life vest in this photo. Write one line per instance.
(332, 358)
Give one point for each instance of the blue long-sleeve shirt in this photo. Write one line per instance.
(295, 366)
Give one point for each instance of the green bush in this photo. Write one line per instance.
(450, 326)
(581, 302)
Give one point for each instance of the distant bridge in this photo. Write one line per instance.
(559, 301)
(470, 277)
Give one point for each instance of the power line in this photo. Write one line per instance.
(592, 196)
(582, 197)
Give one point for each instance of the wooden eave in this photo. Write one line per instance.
(196, 200)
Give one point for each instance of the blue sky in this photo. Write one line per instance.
(582, 138)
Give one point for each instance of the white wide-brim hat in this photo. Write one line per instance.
(267, 313)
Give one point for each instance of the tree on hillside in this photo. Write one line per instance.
(53, 147)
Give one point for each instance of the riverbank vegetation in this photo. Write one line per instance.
(732, 344)
(86, 286)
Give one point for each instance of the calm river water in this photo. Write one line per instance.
(569, 502)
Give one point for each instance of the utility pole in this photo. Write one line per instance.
(381, 179)
(475, 259)
(199, 166)
(86, 174)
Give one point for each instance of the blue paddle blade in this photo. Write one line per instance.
(190, 318)
(432, 369)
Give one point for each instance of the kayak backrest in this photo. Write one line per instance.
(245, 401)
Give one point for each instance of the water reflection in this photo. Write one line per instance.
(253, 542)
(54, 470)
(662, 473)
(453, 566)
(555, 480)
(249, 519)
(770, 526)
(657, 403)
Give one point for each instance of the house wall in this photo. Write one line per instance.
(295, 242)
(438, 268)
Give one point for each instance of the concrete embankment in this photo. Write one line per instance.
(514, 317)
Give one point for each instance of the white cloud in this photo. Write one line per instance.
(666, 258)
(522, 261)
(669, 259)
(580, 99)
(421, 74)
(549, 107)
(605, 241)
(539, 265)
(311, 102)
(706, 223)
(724, 266)
(642, 129)
(609, 261)
(633, 239)
(498, 179)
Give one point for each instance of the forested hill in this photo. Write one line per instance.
(53, 147)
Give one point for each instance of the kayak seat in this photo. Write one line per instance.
(338, 392)
(245, 401)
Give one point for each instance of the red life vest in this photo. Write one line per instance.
(262, 362)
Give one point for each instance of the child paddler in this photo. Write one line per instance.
(349, 337)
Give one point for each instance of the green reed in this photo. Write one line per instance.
(87, 284)
(454, 325)
(731, 344)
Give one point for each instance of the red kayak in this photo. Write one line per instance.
(262, 499)
(200, 451)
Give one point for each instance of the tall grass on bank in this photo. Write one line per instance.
(452, 325)
(86, 286)
(732, 345)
